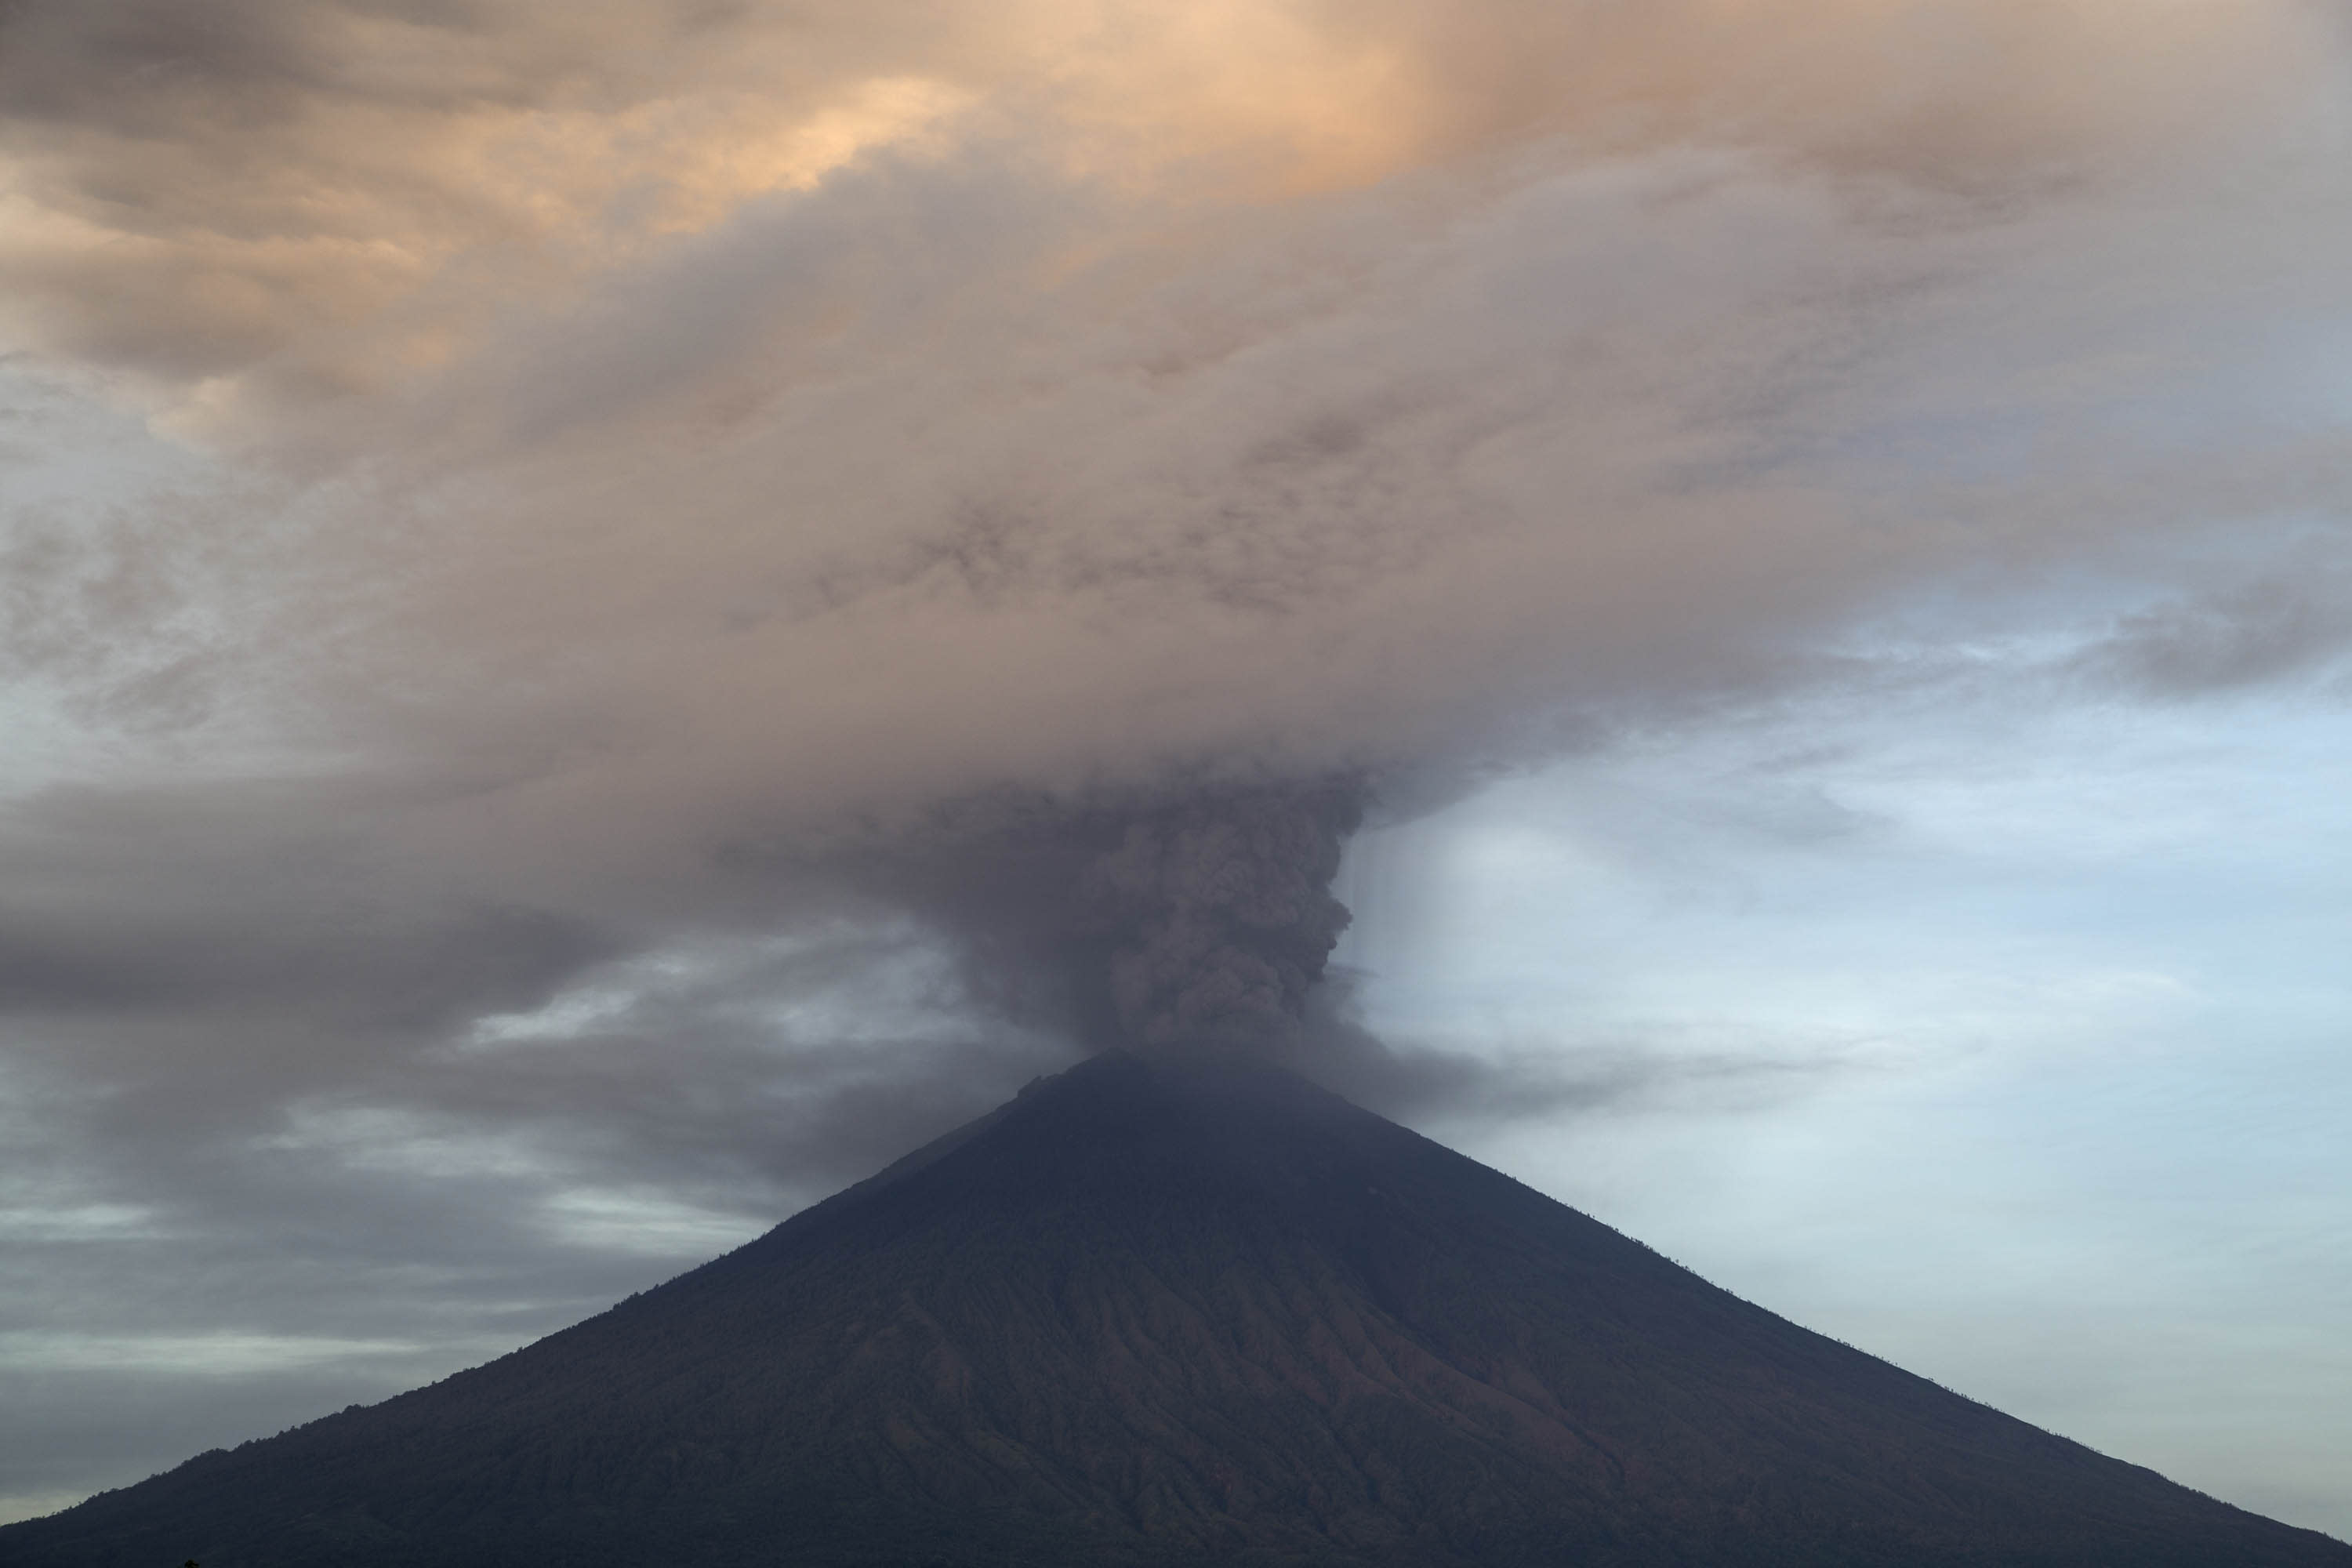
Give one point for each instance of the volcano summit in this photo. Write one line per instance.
(1153, 1312)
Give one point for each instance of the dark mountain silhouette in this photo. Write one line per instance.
(1156, 1314)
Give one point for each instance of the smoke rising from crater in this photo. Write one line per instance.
(1212, 920)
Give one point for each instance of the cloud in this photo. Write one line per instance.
(279, 200)
(695, 475)
(1438, 1082)
(197, 903)
(2232, 635)
(678, 453)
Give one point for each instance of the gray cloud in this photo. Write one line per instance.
(1430, 1083)
(2227, 637)
(705, 534)
(224, 900)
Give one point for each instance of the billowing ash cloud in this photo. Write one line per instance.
(668, 458)
(645, 431)
(1211, 922)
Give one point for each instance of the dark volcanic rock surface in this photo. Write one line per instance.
(1150, 1314)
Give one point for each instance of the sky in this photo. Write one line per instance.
(562, 571)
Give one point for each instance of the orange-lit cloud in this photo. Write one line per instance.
(289, 201)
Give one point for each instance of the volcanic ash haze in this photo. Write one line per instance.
(662, 428)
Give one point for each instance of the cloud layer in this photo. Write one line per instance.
(679, 463)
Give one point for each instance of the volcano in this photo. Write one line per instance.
(1151, 1314)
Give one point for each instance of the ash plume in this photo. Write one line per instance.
(1212, 921)
(1196, 916)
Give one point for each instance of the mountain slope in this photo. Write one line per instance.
(1152, 1314)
